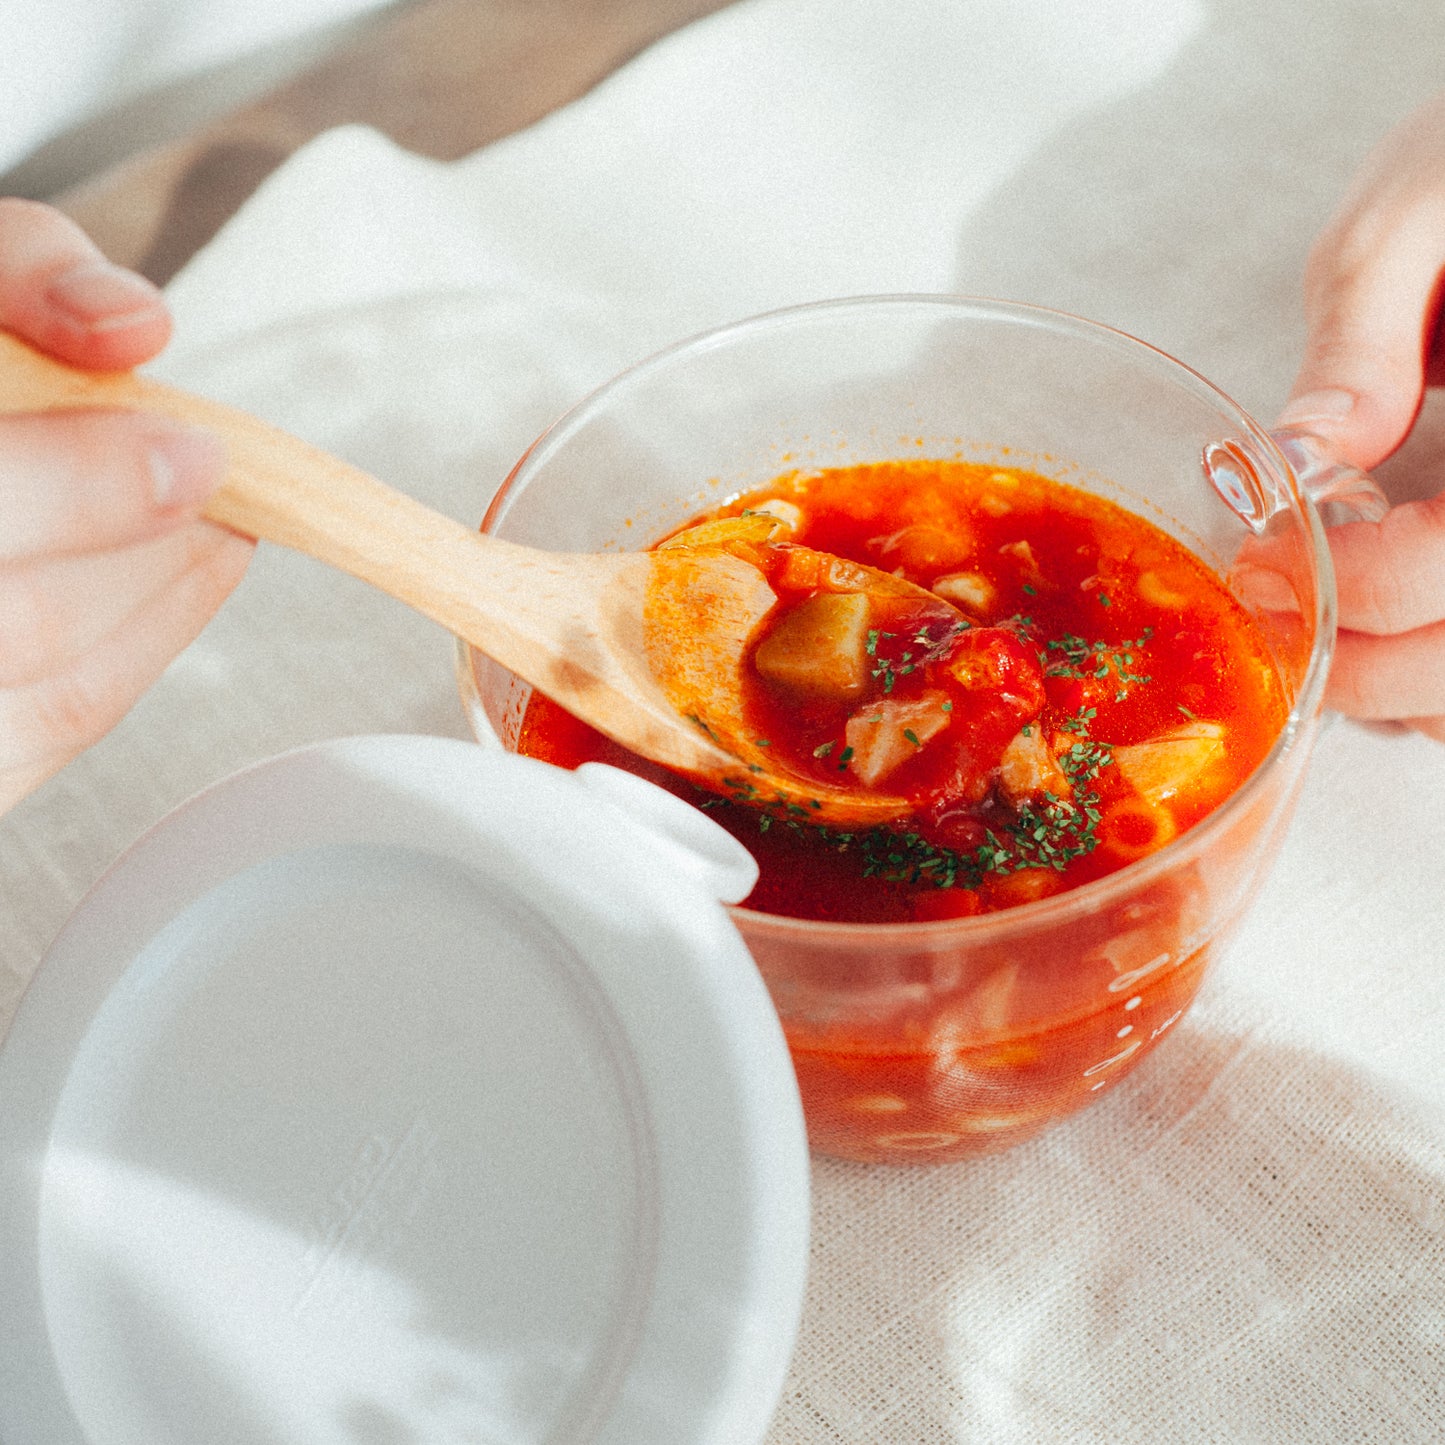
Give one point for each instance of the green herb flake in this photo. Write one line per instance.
(693, 718)
(1077, 657)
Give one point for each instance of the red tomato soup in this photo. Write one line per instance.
(1076, 690)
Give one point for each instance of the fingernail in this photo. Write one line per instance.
(102, 297)
(185, 467)
(1330, 404)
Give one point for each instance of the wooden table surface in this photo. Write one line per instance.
(440, 77)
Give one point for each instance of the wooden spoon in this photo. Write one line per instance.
(606, 635)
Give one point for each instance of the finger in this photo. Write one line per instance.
(1372, 298)
(1390, 575)
(52, 612)
(1389, 678)
(59, 292)
(1432, 727)
(87, 480)
(1362, 378)
(44, 726)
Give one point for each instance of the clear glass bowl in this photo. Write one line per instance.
(934, 1041)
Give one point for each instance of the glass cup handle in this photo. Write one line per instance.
(1341, 492)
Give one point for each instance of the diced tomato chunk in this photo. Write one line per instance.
(1066, 693)
(997, 660)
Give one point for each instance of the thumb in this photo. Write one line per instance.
(1371, 299)
(59, 292)
(1362, 377)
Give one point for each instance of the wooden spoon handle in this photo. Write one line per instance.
(570, 624)
(614, 637)
(280, 489)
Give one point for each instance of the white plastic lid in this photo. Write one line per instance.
(398, 1090)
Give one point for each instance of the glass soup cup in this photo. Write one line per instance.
(939, 1040)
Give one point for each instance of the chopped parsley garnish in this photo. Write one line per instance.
(1050, 833)
(1077, 657)
(884, 668)
(1055, 831)
(934, 648)
(693, 718)
(1047, 831)
(1080, 721)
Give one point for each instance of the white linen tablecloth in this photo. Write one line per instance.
(1245, 1241)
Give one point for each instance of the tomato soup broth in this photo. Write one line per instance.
(1079, 690)
(1113, 693)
